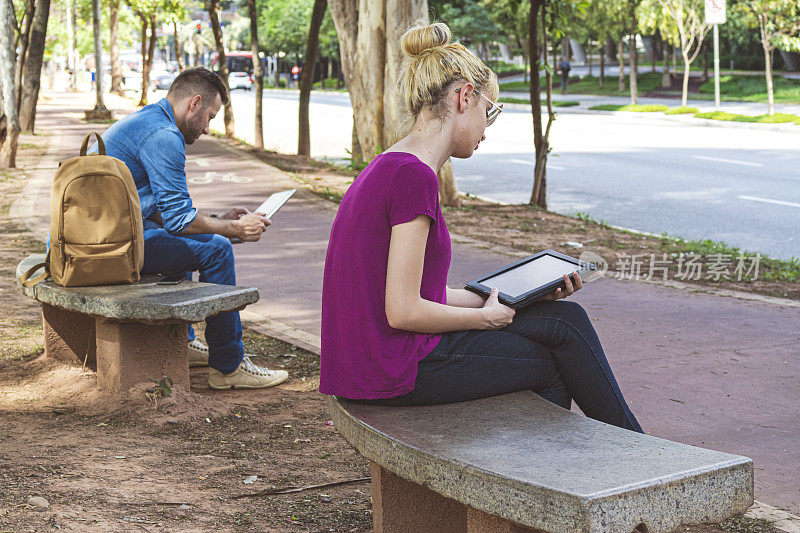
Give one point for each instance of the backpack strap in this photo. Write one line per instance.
(26, 280)
(101, 147)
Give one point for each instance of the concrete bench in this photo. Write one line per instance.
(518, 463)
(133, 332)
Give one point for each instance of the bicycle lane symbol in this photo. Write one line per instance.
(211, 176)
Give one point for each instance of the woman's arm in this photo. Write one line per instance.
(464, 298)
(406, 309)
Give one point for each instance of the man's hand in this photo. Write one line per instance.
(249, 226)
(568, 290)
(235, 214)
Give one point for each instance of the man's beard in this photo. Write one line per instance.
(195, 129)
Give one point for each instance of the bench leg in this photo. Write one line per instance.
(69, 336)
(480, 522)
(401, 506)
(131, 352)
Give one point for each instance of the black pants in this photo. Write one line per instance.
(550, 348)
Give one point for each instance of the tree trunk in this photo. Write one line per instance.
(8, 153)
(258, 74)
(621, 61)
(74, 44)
(307, 77)
(686, 68)
(768, 71)
(113, 47)
(72, 64)
(653, 53)
(356, 156)
(22, 45)
(222, 63)
(360, 27)
(705, 61)
(538, 48)
(602, 66)
(633, 74)
(145, 64)
(32, 70)
(177, 45)
(98, 57)
(633, 52)
(666, 78)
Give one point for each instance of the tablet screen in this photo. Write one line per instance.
(540, 271)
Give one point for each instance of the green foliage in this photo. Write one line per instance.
(681, 111)
(777, 118)
(510, 100)
(162, 387)
(778, 21)
(639, 108)
(469, 21)
(754, 89)
(556, 103)
(647, 82)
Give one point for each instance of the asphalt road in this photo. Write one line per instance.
(731, 184)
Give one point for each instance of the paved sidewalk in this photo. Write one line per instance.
(713, 371)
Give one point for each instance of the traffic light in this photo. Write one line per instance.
(199, 27)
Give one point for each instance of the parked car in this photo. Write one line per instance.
(240, 80)
(162, 81)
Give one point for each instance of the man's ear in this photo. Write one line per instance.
(195, 103)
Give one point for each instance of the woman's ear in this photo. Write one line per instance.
(466, 93)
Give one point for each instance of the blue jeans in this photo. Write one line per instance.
(212, 255)
(550, 348)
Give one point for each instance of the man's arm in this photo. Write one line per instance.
(248, 227)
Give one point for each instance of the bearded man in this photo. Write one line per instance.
(152, 143)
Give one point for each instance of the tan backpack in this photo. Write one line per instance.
(95, 223)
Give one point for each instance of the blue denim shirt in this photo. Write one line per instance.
(151, 145)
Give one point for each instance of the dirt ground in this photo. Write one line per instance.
(178, 464)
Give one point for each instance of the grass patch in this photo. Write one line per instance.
(556, 103)
(682, 111)
(777, 118)
(639, 108)
(510, 100)
(768, 269)
(754, 89)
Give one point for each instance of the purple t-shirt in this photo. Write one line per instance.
(362, 356)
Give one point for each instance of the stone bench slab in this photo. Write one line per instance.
(533, 463)
(147, 302)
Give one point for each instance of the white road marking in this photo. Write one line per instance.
(768, 201)
(200, 161)
(530, 163)
(732, 161)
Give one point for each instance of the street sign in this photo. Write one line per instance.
(715, 11)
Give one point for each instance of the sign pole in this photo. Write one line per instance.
(716, 65)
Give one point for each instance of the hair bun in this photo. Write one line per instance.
(423, 36)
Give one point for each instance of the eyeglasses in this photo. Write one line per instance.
(493, 112)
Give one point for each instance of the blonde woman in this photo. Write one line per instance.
(393, 332)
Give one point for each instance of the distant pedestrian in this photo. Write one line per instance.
(563, 69)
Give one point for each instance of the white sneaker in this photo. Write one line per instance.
(198, 353)
(247, 376)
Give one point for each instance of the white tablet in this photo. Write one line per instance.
(275, 202)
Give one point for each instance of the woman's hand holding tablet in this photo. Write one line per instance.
(569, 288)
(547, 275)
